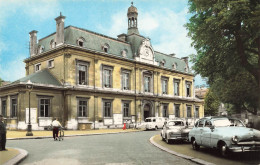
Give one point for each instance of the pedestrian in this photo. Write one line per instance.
(55, 130)
(2, 134)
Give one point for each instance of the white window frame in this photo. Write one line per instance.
(149, 84)
(83, 64)
(49, 106)
(164, 84)
(188, 83)
(37, 67)
(129, 108)
(107, 76)
(177, 81)
(125, 82)
(52, 63)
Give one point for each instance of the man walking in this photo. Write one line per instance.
(2, 134)
(56, 125)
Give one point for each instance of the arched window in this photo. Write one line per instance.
(124, 52)
(174, 66)
(40, 49)
(162, 63)
(52, 44)
(106, 48)
(81, 42)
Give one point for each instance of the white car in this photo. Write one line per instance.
(154, 122)
(175, 130)
(225, 134)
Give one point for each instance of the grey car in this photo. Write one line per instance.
(225, 134)
(175, 130)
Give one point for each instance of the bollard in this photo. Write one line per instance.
(124, 127)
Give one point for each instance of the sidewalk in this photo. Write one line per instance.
(15, 155)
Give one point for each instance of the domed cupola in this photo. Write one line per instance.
(132, 19)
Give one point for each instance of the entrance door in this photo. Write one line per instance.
(147, 110)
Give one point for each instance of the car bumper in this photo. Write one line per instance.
(244, 149)
(178, 137)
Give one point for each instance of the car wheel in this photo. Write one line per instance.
(223, 150)
(168, 141)
(163, 139)
(156, 127)
(195, 146)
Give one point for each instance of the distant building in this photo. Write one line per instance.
(86, 79)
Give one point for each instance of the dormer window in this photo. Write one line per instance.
(52, 44)
(40, 49)
(162, 63)
(174, 66)
(81, 41)
(124, 52)
(106, 48)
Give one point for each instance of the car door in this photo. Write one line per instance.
(206, 134)
(198, 131)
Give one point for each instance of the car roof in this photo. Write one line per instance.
(219, 117)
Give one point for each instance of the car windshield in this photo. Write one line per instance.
(175, 123)
(148, 120)
(227, 123)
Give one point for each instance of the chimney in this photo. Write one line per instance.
(186, 60)
(59, 38)
(33, 43)
(122, 37)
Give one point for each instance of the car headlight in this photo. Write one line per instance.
(234, 139)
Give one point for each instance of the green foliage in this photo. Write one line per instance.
(226, 37)
(212, 104)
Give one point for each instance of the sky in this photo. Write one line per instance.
(160, 20)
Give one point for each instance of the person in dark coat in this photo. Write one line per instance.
(2, 134)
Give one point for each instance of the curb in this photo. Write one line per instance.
(196, 160)
(17, 159)
(45, 137)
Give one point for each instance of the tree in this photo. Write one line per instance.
(226, 36)
(211, 104)
(1, 82)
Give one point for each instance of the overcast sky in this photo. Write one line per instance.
(160, 20)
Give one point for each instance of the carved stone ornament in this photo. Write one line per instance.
(146, 50)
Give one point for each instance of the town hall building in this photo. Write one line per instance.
(89, 80)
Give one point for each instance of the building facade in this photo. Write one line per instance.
(88, 79)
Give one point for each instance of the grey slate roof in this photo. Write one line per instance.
(41, 77)
(95, 41)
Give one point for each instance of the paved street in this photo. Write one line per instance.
(128, 148)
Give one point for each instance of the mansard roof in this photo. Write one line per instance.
(95, 41)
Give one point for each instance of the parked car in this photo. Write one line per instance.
(225, 134)
(175, 130)
(154, 122)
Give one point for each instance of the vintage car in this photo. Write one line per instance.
(154, 122)
(175, 130)
(225, 134)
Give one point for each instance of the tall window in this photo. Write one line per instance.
(107, 107)
(165, 110)
(196, 112)
(44, 107)
(188, 89)
(82, 107)
(125, 80)
(188, 111)
(13, 107)
(176, 87)
(177, 110)
(107, 76)
(4, 107)
(126, 109)
(37, 67)
(147, 81)
(164, 85)
(82, 69)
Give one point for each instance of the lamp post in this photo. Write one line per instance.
(29, 87)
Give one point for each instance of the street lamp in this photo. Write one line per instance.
(29, 87)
